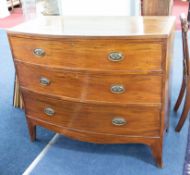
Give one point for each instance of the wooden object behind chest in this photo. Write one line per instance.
(157, 7)
(102, 80)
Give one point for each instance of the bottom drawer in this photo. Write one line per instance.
(107, 119)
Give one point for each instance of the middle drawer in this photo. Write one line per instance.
(121, 89)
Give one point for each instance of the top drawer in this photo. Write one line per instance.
(95, 54)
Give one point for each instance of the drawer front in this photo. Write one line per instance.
(136, 121)
(103, 55)
(123, 89)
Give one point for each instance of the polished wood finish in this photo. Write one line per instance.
(181, 95)
(31, 128)
(17, 98)
(138, 55)
(110, 27)
(186, 75)
(89, 86)
(70, 89)
(94, 117)
(120, 27)
(157, 7)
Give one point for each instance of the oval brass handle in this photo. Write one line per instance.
(49, 111)
(44, 81)
(115, 56)
(39, 52)
(117, 89)
(119, 121)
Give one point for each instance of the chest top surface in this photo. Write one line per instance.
(130, 27)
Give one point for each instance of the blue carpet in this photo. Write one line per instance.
(69, 157)
(186, 170)
(16, 150)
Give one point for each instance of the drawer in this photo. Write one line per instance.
(94, 54)
(122, 89)
(107, 119)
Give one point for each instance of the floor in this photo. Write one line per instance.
(16, 17)
(179, 7)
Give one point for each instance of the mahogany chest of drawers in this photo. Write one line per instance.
(96, 79)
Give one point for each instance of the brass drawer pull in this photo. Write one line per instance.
(39, 52)
(117, 89)
(49, 111)
(119, 121)
(115, 56)
(44, 81)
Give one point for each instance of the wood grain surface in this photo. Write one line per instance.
(86, 54)
(157, 7)
(140, 121)
(77, 100)
(89, 87)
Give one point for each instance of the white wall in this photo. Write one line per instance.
(3, 9)
(100, 7)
